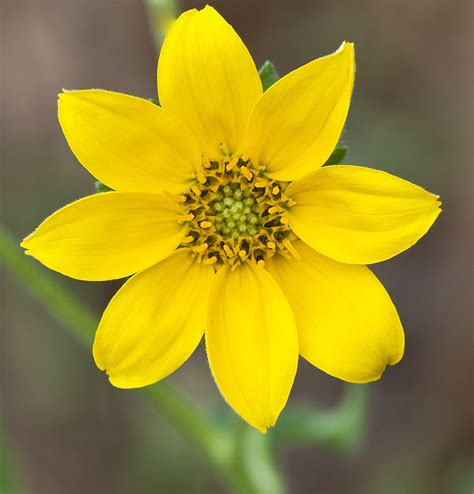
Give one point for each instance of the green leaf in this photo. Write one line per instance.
(268, 74)
(100, 187)
(337, 156)
(154, 101)
(340, 429)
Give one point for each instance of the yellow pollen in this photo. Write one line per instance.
(235, 214)
(183, 218)
(228, 250)
(201, 248)
(246, 173)
(231, 164)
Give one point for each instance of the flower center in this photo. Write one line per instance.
(235, 214)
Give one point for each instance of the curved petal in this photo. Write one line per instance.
(107, 236)
(252, 343)
(347, 324)
(154, 322)
(207, 78)
(358, 215)
(297, 123)
(128, 143)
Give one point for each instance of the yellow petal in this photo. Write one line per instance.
(107, 236)
(347, 324)
(128, 143)
(358, 215)
(154, 322)
(297, 123)
(207, 78)
(252, 343)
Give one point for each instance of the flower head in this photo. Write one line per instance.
(230, 225)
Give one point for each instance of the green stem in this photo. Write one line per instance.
(11, 482)
(159, 13)
(216, 444)
(62, 306)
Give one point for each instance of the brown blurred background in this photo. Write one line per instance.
(69, 430)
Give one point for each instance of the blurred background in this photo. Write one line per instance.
(70, 431)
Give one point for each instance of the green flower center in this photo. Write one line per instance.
(235, 212)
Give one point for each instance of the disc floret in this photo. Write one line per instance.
(235, 214)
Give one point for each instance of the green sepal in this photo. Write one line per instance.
(154, 101)
(268, 74)
(337, 156)
(100, 187)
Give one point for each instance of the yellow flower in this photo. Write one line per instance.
(232, 228)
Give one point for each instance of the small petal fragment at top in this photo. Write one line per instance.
(154, 322)
(128, 143)
(207, 78)
(358, 215)
(252, 343)
(107, 236)
(347, 324)
(297, 123)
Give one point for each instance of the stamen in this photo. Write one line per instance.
(200, 176)
(236, 214)
(174, 197)
(201, 248)
(228, 250)
(246, 173)
(231, 164)
(184, 218)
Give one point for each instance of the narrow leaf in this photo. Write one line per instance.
(100, 187)
(337, 156)
(268, 74)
